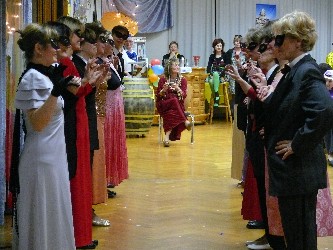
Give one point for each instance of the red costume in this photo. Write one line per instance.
(81, 182)
(170, 106)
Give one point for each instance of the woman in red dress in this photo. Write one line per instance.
(77, 139)
(170, 96)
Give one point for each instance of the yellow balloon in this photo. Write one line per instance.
(150, 71)
(329, 59)
(153, 78)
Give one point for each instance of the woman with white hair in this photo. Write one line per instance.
(299, 114)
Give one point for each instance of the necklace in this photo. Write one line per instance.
(174, 80)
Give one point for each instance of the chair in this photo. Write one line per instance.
(188, 115)
(161, 132)
(224, 103)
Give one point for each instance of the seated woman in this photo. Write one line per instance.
(173, 53)
(170, 96)
(216, 63)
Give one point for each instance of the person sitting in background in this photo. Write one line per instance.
(170, 95)
(216, 63)
(173, 52)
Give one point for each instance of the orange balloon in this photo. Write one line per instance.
(153, 78)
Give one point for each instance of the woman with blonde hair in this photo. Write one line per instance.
(170, 95)
(298, 115)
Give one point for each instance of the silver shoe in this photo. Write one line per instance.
(99, 222)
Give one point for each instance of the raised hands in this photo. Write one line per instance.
(60, 85)
(96, 72)
(258, 79)
(231, 71)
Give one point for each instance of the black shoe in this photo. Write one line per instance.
(254, 224)
(90, 246)
(111, 194)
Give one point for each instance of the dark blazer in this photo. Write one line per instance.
(90, 106)
(300, 110)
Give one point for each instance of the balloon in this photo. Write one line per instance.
(153, 78)
(150, 71)
(158, 69)
(155, 62)
(155, 84)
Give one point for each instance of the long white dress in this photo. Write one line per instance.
(44, 210)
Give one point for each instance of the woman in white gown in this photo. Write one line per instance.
(44, 213)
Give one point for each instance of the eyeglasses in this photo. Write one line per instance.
(90, 40)
(120, 35)
(263, 47)
(54, 44)
(102, 39)
(279, 39)
(78, 33)
(111, 42)
(252, 46)
(64, 40)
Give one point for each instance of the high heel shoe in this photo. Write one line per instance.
(99, 222)
(166, 144)
(92, 245)
(189, 126)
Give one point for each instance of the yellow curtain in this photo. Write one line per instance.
(50, 10)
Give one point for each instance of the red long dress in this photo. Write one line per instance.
(171, 107)
(81, 183)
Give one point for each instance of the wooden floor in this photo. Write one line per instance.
(180, 197)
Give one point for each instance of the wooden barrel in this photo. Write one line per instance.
(139, 105)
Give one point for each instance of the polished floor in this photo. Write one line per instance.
(181, 197)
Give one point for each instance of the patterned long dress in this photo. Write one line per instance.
(116, 160)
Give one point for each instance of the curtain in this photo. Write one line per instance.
(2, 108)
(11, 66)
(151, 15)
(48, 10)
(194, 25)
(193, 29)
(237, 16)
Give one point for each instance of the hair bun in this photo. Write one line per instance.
(20, 41)
(21, 44)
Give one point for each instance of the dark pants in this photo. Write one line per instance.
(298, 215)
(257, 155)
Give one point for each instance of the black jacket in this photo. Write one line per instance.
(299, 110)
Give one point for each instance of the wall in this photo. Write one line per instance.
(194, 25)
